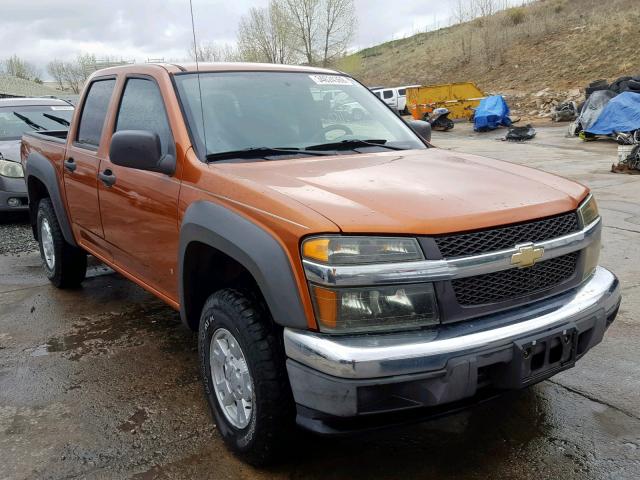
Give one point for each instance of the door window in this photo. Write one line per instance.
(388, 93)
(94, 112)
(142, 108)
(402, 92)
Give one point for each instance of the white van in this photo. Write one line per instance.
(395, 97)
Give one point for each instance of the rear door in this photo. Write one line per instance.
(402, 99)
(82, 159)
(140, 210)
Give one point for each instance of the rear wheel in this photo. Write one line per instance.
(64, 264)
(244, 375)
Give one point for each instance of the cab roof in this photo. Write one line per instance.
(191, 67)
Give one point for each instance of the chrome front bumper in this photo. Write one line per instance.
(323, 368)
(369, 356)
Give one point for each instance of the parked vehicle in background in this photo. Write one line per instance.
(395, 97)
(341, 275)
(17, 117)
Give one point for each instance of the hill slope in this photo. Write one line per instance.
(556, 44)
(10, 85)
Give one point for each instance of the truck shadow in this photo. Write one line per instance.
(476, 443)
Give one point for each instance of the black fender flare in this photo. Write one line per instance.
(252, 247)
(41, 168)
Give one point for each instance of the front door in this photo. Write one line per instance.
(390, 98)
(140, 210)
(82, 160)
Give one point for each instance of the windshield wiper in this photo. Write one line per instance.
(260, 152)
(60, 120)
(29, 122)
(351, 144)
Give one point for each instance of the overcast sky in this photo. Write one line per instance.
(40, 30)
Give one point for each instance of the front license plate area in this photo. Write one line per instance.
(545, 355)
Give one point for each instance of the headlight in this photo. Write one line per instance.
(368, 309)
(588, 211)
(335, 250)
(11, 169)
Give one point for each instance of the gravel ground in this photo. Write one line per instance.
(15, 235)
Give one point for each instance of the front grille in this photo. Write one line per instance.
(516, 282)
(506, 237)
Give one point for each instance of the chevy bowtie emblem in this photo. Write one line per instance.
(527, 255)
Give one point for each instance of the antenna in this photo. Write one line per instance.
(195, 53)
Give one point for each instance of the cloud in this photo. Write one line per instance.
(40, 30)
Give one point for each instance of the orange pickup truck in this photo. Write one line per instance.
(342, 273)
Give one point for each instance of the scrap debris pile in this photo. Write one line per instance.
(545, 103)
(613, 110)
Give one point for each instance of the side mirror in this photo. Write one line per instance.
(422, 128)
(140, 149)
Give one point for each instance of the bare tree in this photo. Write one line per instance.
(286, 31)
(338, 28)
(305, 15)
(75, 73)
(265, 35)
(20, 68)
(464, 11)
(213, 52)
(56, 70)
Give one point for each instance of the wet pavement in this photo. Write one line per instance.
(102, 382)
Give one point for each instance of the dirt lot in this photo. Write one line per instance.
(102, 382)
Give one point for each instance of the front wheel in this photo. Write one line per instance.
(244, 375)
(64, 264)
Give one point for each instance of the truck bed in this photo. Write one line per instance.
(50, 144)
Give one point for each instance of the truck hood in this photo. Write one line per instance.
(427, 191)
(10, 150)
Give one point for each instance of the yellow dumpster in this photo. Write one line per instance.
(459, 98)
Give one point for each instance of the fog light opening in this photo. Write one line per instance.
(14, 202)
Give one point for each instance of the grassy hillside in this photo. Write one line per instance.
(557, 44)
(10, 85)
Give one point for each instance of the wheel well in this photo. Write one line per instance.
(37, 191)
(207, 270)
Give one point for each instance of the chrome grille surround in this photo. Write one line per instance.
(445, 269)
(473, 243)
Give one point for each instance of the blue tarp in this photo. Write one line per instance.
(621, 114)
(491, 113)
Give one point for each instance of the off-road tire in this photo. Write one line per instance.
(272, 420)
(70, 263)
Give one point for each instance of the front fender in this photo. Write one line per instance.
(251, 246)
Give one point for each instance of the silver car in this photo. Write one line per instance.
(17, 116)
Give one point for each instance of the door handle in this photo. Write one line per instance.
(107, 177)
(70, 164)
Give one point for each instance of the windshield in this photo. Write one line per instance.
(14, 121)
(250, 110)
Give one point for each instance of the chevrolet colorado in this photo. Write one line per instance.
(341, 273)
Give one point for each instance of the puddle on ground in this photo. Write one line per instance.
(103, 334)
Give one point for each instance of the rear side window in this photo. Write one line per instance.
(388, 93)
(402, 92)
(94, 112)
(142, 108)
